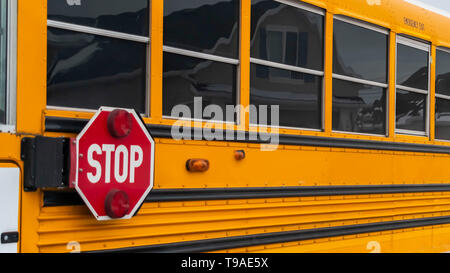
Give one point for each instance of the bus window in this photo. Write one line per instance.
(201, 53)
(287, 44)
(130, 16)
(8, 65)
(97, 54)
(443, 94)
(412, 87)
(3, 62)
(359, 77)
(359, 108)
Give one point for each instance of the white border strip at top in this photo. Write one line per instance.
(413, 43)
(302, 5)
(361, 24)
(98, 31)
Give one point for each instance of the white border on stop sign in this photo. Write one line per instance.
(142, 125)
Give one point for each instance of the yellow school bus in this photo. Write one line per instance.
(353, 95)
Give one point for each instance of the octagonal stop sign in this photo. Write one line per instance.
(113, 162)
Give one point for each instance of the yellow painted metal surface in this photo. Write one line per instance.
(180, 221)
(50, 229)
(433, 239)
(293, 166)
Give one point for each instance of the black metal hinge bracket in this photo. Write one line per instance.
(46, 162)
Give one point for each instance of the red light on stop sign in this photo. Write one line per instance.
(117, 204)
(120, 123)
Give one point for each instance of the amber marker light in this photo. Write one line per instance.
(239, 154)
(119, 123)
(197, 165)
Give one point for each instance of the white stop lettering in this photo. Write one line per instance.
(125, 162)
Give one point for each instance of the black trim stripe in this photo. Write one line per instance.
(68, 125)
(65, 125)
(56, 198)
(281, 237)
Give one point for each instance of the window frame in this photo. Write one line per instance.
(11, 69)
(436, 94)
(215, 58)
(312, 9)
(115, 35)
(385, 86)
(424, 46)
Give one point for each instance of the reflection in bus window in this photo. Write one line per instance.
(442, 123)
(442, 119)
(287, 62)
(201, 53)
(89, 71)
(130, 16)
(442, 72)
(285, 34)
(410, 111)
(364, 57)
(298, 95)
(358, 108)
(207, 26)
(412, 86)
(185, 78)
(412, 67)
(359, 77)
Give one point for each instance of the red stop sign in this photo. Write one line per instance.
(114, 163)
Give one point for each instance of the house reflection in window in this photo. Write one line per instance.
(358, 108)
